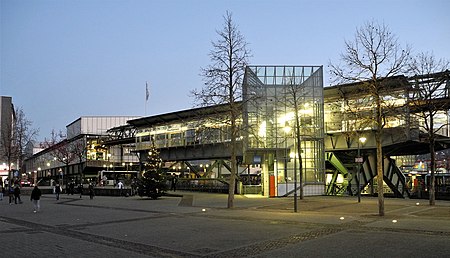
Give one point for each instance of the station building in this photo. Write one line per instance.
(82, 154)
(289, 123)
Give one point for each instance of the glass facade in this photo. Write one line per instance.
(273, 95)
(189, 132)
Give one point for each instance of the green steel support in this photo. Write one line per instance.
(340, 168)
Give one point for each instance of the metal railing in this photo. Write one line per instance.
(203, 185)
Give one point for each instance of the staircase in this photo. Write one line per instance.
(392, 175)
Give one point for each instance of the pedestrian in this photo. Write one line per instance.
(6, 183)
(17, 194)
(120, 186)
(174, 181)
(72, 187)
(36, 198)
(91, 191)
(2, 191)
(80, 189)
(57, 190)
(133, 186)
(11, 194)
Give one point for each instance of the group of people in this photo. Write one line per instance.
(36, 193)
(70, 189)
(13, 191)
(10, 189)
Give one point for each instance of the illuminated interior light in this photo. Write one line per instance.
(262, 129)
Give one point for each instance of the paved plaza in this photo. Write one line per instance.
(193, 224)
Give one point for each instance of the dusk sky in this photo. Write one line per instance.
(62, 59)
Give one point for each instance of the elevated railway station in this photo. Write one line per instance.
(329, 137)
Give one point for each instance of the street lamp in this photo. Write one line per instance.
(360, 160)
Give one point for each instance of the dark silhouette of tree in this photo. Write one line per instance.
(61, 150)
(430, 95)
(16, 137)
(223, 85)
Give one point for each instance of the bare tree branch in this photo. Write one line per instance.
(430, 96)
(372, 56)
(223, 84)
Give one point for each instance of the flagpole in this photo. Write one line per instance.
(146, 97)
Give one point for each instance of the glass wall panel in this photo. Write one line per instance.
(276, 91)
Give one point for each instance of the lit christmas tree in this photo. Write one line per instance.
(153, 182)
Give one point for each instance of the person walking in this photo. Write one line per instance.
(57, 191)
(91, 191)
(17, 194)
(120, 186)
(174, 181)
(6, 183)
(11, 194)
(2, 190)
(80, 189)
(71, 188)
(36, 199)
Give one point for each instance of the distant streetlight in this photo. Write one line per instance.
(360, 160)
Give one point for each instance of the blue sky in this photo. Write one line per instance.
(62, 59)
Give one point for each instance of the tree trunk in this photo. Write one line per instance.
(380, 176)
(232, 184)
(432, 190)
(378, 143)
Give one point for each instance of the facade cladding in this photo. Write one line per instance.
(83, 150)
(273, 95)
(97, 125)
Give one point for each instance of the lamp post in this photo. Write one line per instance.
(360, 160)
(61, 174)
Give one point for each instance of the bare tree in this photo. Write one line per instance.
(55, 137)
(10, 150)
(430, 95)
(295, 98)
(78, 148)
(16, 137)
(61, 149)
(24, 133)
(223, 83)
(373, 55)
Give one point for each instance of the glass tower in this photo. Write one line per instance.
(284, 129)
